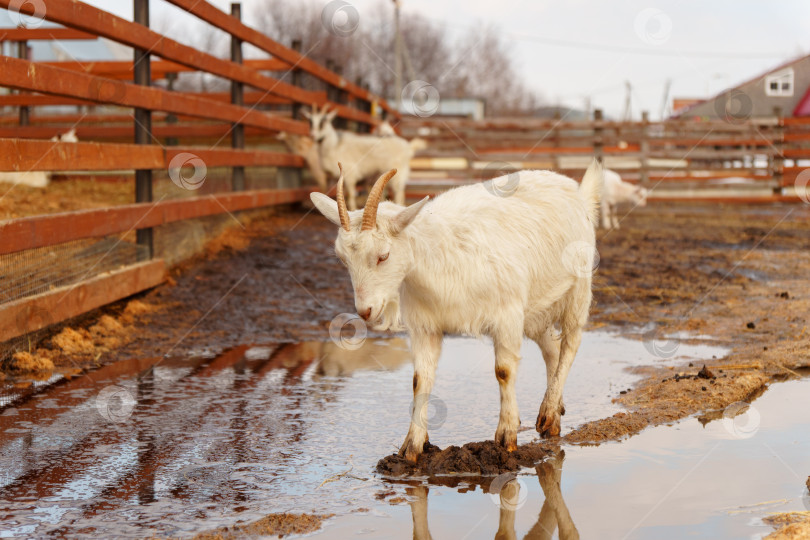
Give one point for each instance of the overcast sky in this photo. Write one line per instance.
(573, 50)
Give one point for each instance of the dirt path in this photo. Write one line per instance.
(736, 274)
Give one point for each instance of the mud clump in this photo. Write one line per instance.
(476, 458)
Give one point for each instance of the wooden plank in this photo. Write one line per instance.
(91, 19)
(19, 316)
(38, 155)
(38, 231)
(26, 75)
(122, 69)
(43, 34)
(126, 133)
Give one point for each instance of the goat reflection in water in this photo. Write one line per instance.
(383, 354)
(553, 515)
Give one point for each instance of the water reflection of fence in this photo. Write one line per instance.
(111, 104)
(736, 160)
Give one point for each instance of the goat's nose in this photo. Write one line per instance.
(366, 313)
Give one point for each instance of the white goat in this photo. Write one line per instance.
(362, 155)
(616, 192)
(304, 146)
(477, 260)
(38, 179)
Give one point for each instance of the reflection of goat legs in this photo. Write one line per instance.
(554, 512)
(419, 511)
(510, 495)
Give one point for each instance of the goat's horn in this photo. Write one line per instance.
(373, 201)
(341, 201)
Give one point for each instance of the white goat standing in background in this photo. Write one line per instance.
(361, 155)
(303, 146)
(473, 262)
(39, 179)
(616, 192)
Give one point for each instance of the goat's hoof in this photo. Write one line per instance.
(548, 426)
(506, 439)
(411, 451)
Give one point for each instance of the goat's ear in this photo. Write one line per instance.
(326, 206)
(307, 114)
(404, 218)
(331, 115)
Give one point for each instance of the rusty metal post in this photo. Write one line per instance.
(644, 147)
(296, 80)
(598, 140)
(171, 118)
(143, 122)
(237, 98)
(779, 146)
(25, 111)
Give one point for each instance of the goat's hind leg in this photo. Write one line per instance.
(549, 342)
(425, 349)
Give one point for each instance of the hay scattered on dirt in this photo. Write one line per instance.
(25, 362)
(74, 342)
(272, 525)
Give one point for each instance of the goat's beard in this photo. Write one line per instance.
(391, 318)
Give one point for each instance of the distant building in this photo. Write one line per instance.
(785, 86)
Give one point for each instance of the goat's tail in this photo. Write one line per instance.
(591, 189)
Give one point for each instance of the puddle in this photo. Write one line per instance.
(177, 446)
(688, 480)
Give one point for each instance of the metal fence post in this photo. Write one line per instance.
(598, 140)
(237, 98)
(25, 111)
(779, 146)
(296, 80)
(143, 123)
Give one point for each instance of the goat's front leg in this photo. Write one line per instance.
(351, 193)
(507, 357)
(425, 349)
(615, 219)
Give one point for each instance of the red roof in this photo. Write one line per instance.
(803, 108)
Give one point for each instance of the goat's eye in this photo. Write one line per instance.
(382, 258)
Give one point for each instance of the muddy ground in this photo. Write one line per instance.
(735, 273)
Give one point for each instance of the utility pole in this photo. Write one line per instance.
(627, 110)
(397, 57)
(665, 102)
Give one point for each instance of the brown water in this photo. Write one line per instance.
(178, 446)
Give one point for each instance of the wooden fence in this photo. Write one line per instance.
(739, 160)
(145, 127)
